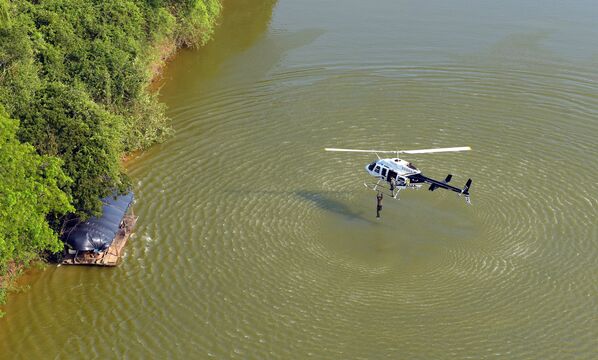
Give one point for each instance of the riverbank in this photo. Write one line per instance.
(7, 280)
(76, 83)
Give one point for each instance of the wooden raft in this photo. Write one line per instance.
(110, 257)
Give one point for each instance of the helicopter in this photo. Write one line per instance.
(399, 174)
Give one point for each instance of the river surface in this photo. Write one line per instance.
(254, 243)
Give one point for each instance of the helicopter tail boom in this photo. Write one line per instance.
(435, 184)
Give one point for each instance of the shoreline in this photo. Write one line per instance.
(164, 52)
(160, 54)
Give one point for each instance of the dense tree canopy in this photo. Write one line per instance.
(61, 121)
(29, 191)
(76, 74)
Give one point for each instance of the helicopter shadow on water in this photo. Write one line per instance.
(323, 200)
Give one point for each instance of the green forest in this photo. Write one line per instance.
(75, 97)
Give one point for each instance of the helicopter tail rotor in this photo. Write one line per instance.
(466, 191)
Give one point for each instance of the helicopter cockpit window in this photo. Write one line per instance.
(371, 166)
(377, 169)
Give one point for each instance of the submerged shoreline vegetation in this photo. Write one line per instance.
(75, 97)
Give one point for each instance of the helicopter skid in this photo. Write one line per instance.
(384, 187)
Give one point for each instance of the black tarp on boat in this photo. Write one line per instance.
(97, 233)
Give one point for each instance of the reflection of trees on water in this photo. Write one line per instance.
(243, 21)
(240, 25)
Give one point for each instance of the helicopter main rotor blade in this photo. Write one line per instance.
(422, 151)
(428, 151)
(355, 150)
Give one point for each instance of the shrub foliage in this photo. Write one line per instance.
(30, 190)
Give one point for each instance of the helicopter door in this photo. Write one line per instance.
(383, 173)
(391, 175)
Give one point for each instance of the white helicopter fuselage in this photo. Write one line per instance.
(392, 168)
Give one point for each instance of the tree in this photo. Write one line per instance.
(62, 121)
(29, 191)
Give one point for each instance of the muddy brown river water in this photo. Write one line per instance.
(254, 243)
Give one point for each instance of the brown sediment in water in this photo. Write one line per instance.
(9, 280)
(127, 158)
(6, 279)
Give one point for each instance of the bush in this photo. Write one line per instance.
(63, 122)
(30, 189)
